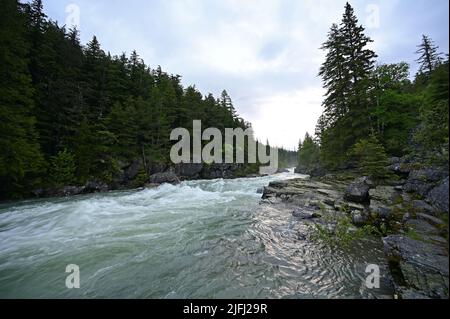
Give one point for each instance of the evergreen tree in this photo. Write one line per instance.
(429, 57)
(62, 170)
(371, 157)
(347, 76)
(20, 156)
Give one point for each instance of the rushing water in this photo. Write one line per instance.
(199, 239)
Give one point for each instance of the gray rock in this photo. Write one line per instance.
(167, 177)
(380, 209)
(422, 266)
(358, 218)
(431, 219)
(384, 194)
(422, 227)
(357, 192)
(133, 170)
(189, 170)
(305, 214)
(95, 187)
(260, 190)
(422, 181)
(438, 196)
(420, 206)
(70, 190)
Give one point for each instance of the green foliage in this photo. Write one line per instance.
(62, 169)
(432, 135)
(371, 157)
(338, 231)
(21, 159)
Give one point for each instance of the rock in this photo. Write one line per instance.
(133, 170)
(357, 192)
(365, 180)
(438, 196)
(419, 265)
(39, 192)
(71, 191)
(95, 187)
(384, 194)
(167, 177)
(260, 190)
(378, 208)
(431, 219)
(411, 293)
(283, 170)
(422, 181)
(422, 227)
(305, 214)
(358, 218)
(400, 169)
(189, 170)
(420, 206)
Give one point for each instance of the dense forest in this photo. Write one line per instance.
(71, 113)
(373, 112)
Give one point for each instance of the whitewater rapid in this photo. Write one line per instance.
(198, 239)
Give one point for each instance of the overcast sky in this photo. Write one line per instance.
(264, 53)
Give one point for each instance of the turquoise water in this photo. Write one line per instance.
(199, 239)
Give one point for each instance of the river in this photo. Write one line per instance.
(199, 239)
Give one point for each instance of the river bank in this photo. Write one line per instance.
(135, 174)
(410, 213)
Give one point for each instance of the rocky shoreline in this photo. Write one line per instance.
(136, 175)
(411, 211)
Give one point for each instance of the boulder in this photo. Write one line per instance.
(305, 214)
(70, 191)
(95, 187)
(422, 181)
(357, 192)
(379, 209)
(189, 170)
(162, 178)
(438, 196)
(384, 194)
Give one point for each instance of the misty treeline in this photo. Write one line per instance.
(375, 111)
(72, 113)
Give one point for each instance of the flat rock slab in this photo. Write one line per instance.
(423, 266)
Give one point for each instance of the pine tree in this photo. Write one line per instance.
(20, 156)
(371, 157)
(347, 76)
(429, 57)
